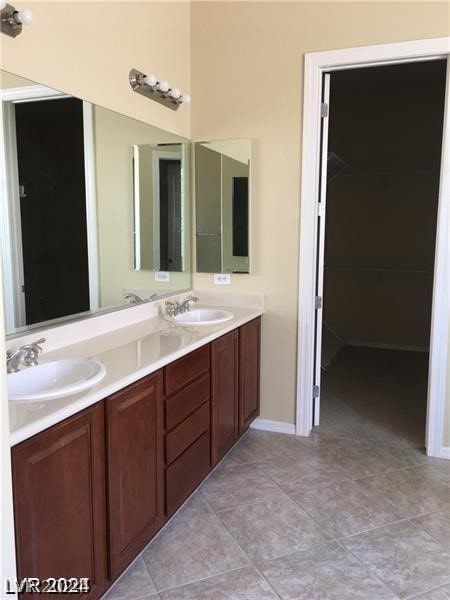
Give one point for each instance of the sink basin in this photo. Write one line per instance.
(204, 316)
(57, 379)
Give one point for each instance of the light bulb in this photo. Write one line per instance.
(175, 93)
(163, 86)
(186, 98)
(2, 4)
(150, 80)
(25, 16)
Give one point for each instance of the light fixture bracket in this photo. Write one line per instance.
(9, 25)
(137, 83)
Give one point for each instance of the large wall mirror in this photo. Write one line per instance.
(94, 207)
(222, 189)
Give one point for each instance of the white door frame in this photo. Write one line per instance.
(315, 65)
(11, 235)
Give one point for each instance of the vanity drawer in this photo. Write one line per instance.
(186, 369)
(187, 432)
(183, 403)
(185, 474)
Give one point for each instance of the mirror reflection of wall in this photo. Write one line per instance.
(67, 226)
(222, 171)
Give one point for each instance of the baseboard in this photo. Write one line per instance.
(278, 426)
(445, 452)
(388, 346)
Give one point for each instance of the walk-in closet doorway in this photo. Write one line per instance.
(373, 283)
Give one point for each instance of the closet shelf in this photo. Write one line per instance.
(383, 173)
(379, 270)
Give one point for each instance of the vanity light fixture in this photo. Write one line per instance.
(150, 86)
(12, 19)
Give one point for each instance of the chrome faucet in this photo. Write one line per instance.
(135, 299)
(26, 355)
(175, 308)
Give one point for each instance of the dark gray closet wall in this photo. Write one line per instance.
(386, 124)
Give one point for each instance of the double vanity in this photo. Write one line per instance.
(96, 475)
(134, 395)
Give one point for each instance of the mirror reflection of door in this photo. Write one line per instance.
(158, 207)
(170, 215)
(50, 160)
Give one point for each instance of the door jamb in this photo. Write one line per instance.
(315, 65)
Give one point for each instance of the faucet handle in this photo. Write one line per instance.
(170, 308)
(31, 352)
(36, 346)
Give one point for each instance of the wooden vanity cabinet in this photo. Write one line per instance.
(59, 502)
(249, 372)
(135, 469)
(235, 373)
(90, 492)
(224, 394)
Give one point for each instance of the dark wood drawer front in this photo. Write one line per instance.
(186, 369)
(187, 432)
(183, 403)
(184, 475)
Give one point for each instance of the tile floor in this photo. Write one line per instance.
(356, 511)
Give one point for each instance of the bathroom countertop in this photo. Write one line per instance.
(129, 353)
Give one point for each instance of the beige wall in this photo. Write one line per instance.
(88, 48)
(247, 61)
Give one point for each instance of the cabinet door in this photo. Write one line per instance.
(59, 502)
(135, 469)
(249, 360)
(224, 394)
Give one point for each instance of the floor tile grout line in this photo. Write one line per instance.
(389, 524)
(308, 547)
(298, 550)
(434, 589)
(416, 466)
(342, 537)
(251, 562)
(122, 576)
(261, 574)
(202, 578)
(419, 528)
(369, 567)
(315, 487)
(176, 587)
(279, 494)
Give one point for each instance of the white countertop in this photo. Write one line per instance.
(129, 353)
